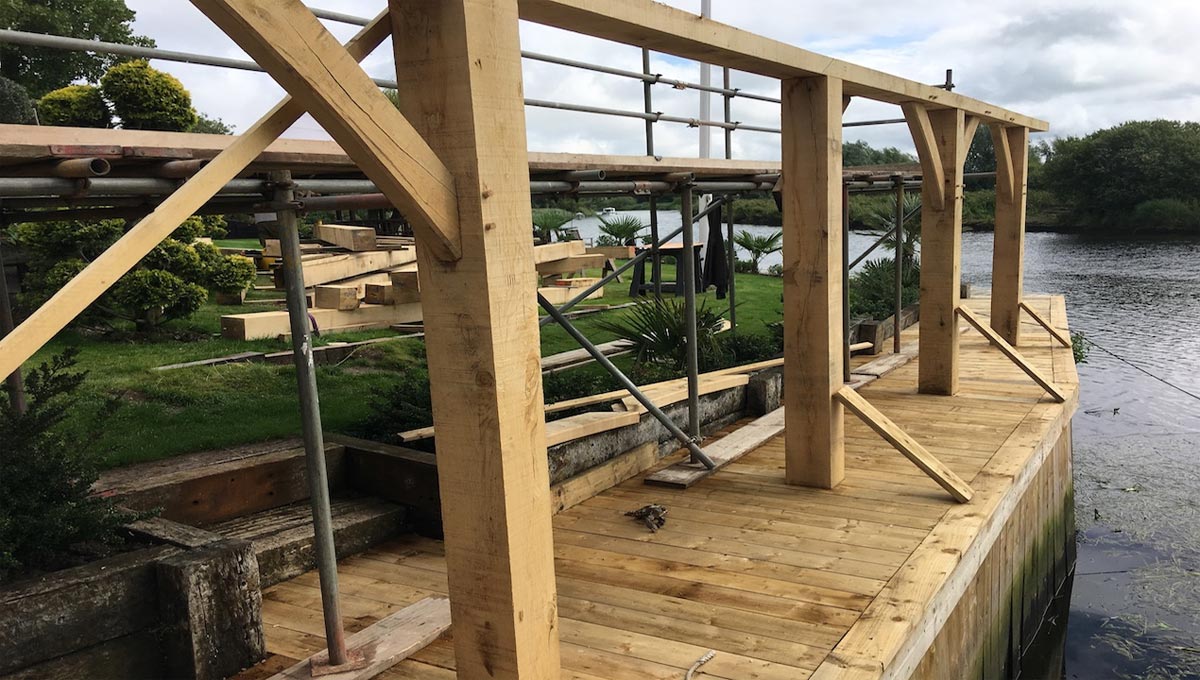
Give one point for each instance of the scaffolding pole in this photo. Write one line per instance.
(686, 269)
(310, 418)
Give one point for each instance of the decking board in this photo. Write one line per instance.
(772, 577)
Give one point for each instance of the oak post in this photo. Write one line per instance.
(940, 137)
(1008, 255)
(459, 70)
(812, 280)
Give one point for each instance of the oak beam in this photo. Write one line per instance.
(666, 29)
(939, 138)
(812, 280)
(1013, 355)
(459, 70)
(69, 302)
(287, 40)
(1008, 254)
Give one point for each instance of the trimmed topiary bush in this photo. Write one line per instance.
(75, 106)
(145, 98)
(15, 105)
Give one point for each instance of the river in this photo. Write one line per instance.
(1135, 607)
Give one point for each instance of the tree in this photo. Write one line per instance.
(759, 246)
(547, 221)
(861, 153)
(75, 106)
(40, 69)
(15, 105)
(145, 98)
(1108, 174)
(211, 126)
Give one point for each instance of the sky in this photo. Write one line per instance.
(1080, 64)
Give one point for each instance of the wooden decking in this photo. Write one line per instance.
(781, 581)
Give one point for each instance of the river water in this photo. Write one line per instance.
(1135, 607)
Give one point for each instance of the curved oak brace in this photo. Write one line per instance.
(18, 346)
(934, 175)
(286, 39)
(905, 444)
(1013, 355)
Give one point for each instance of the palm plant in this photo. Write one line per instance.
(656, 329)
(886, 219)
(759, 246)
(620, 231)
(547, 221)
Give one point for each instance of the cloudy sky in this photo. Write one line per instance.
(1081, 64)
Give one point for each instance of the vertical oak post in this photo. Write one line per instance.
(459, 70)
(1008, 255)
(812, 280)
(938, 136)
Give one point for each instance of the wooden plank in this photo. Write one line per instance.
(939, 144)
(263, 325)
(379, 294)
(906, 445)
(722, 452)
(302, 56)
(666, 29)
(676, 391)
(558, 295)
(386, 642)
(587, 424)
(812, 282)
(336, 268)
(459, 67)
(350, 238)
(570, 264)
(1013, 355)
(556, 251)
(585, 485)
(88, 285)
(340, 297)
(1008, 253)
(1062, 338)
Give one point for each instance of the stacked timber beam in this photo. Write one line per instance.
(370, 287)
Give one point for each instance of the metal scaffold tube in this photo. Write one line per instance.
(310, 418)
(899, 266)
(698, 454)
(686, 270)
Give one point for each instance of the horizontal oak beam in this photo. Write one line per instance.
(286, 39)
(673, 31)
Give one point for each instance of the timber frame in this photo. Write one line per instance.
(453, 158)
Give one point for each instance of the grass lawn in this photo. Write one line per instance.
(130, 413)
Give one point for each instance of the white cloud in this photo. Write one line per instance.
(1081, 64)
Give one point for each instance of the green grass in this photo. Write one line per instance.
(243, 243)
(130, 413)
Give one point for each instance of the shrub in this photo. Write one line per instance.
(210, 126)
(145, 98)
(1166, 214)
(229, 274)
(656, 329)
(775, 270)
(744, 348)
(49, 518)
(744, 267)
(15, 105)
(149, 297)
(872, 289)
(75, 106)
(175, 257)
(406, 405)
(761, 211)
